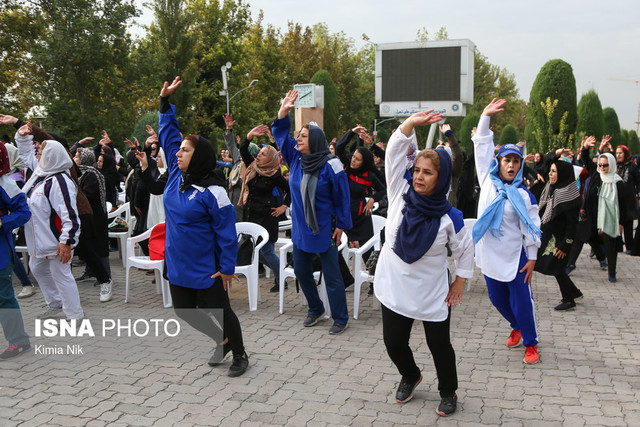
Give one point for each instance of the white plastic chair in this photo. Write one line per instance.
(287, 271)
(282, 226)
(360, 273)
(468, 224)
(122, 236)
(25, 256)
(141, 261)
(251, 271)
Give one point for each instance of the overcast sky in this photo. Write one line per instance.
(600, 39)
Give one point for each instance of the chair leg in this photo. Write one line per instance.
(252, 290)
(166, 293)
(322, 290)
(123, 249)
(126, 286)
(356, 296)
(281, 296)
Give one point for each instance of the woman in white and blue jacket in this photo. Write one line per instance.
(507, 233)
(201, 242)
(319, 193)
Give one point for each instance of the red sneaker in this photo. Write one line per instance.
(514, 339)
(531, 355)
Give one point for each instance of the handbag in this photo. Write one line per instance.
(246, 245)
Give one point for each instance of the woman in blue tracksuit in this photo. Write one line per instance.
(14, 212)
(319, 193)
(201, 242)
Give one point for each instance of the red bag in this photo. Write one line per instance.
(156, 242)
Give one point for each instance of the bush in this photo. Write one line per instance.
(468, 123)
(612, 126)
(590, 116)
(140, 128)
(509, 135)
(323, 77)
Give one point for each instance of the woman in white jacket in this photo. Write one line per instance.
(412, 275)
(507, 233)
(54, 228)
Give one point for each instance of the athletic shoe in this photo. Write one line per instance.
(565, 306)
(51, 313)
(311, 319)
(578, 297)
(14, 350)
(406, 389)
(219, 353)
(105, 291)
(447, 406)
(26, 292)
(85, 276)
(569, 269)
(531, 355)
(276, 287)
(337, 328)
(612, 279)
(604, 265)
(514, 339)
(239, 365)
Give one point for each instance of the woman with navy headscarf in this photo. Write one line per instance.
(507, 233)
(412, 275)
(319, 193)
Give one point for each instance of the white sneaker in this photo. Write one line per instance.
(105, 291)
(26, 292)
(52, 313)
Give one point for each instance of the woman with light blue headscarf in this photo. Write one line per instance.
(507, 233)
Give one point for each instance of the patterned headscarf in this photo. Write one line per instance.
(270, 168)
(87, 160)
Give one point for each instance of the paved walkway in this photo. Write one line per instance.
(589, 372)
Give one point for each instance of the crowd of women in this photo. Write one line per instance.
(528, 218)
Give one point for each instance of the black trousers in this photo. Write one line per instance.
(86, 248)
(185, 300)
(628, 234)
(568, 289)
(611, 250)
(396, 330)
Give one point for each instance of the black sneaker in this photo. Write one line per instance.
(406, 389)
(85, 276)
(565, 306)
(447, 406)
(276, 287)
(312, 319)
(219, 353)
(338, 328)
(239, 366)
(14, 350)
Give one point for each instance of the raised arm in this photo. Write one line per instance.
(483, 139)
(169, 130)
(281, 127)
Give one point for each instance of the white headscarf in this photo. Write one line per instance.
(54, 159)
(608, 209)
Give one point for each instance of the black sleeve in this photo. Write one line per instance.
(247, 158)
(377, 151)
(571, 225)
(155, 187)
(622, 198)
(164, 104)
(585, 155)
(381, 190)
(283, 185)
(341, 147)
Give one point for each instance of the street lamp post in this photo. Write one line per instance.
(225, 84)
(376, 122)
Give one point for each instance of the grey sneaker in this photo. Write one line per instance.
(312, 319)
(406, 389)
(105, 291)
(337, 328)
(52, 313)
(26, 292)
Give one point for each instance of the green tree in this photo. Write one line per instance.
(556, 82)
(323, 77)
(469, 122)
(634, 142)
(624, 137)
(83, 61)
(140, 128)
(590, 116)
(509, 135)
(612, 126)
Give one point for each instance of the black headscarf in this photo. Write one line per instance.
(312, 164)
(561, 196)
(202, 168)
(368, 163)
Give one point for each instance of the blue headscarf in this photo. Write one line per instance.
(492, 216)
(421, 215)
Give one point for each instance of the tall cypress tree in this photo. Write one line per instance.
(612, 126)
(509, 135)
(323, 77)
(590, 116)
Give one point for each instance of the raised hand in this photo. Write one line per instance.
(444, 128)
(494, 107)
(6, 119)
(142, 158)
(521, 144)
(530, 158)
(422, 118)
(85, 140)
(366, 138)
(563, 152)
(105, 138)
(152, 139)
(168, 89)
(150, 130)
(288, 103)
(259, 130)
(605, 145)
(25, 129)
(228, 121)
(589, 142)
(359, 129)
